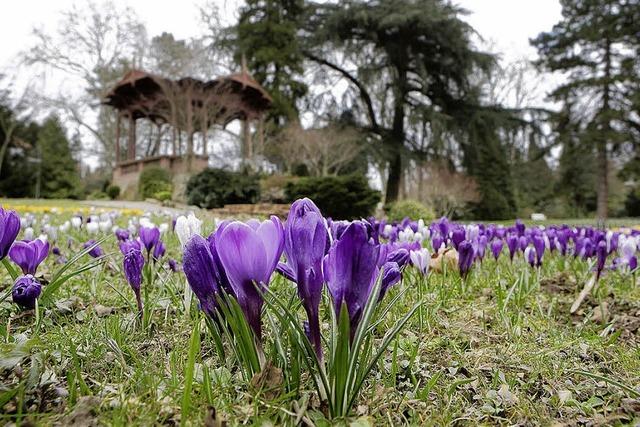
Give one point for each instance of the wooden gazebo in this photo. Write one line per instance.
(188, 106)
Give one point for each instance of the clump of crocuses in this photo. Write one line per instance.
(238, 258)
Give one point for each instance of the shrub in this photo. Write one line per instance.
(162, 196)
(97, 195)
(154, 180)
(272, 188)
(409, 208)
(214, 188)
(340, 197)
(113, 191)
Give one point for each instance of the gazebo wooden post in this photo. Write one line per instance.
(117, 141)
(189, 129)
(204, 124)
(246, 142)
(131, 148)
(261, 134)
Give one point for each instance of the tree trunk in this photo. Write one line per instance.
(396, 140)
(603, 135)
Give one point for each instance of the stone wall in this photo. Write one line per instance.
(126, 174)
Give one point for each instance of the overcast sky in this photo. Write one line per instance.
(508, 23)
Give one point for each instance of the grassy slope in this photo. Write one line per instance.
(500, 348)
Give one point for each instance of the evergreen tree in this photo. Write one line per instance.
(594, 44)
(412, 57)
(266, 35)
(577, 169)
(534, 177)
(59, 176)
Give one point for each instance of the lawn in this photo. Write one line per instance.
(498, 347)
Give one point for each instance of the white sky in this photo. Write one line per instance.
(508, 23)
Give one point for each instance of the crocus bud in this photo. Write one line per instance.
(25, 291)
(496, 247)
(465, 257)
(186, 227)
(601, 255)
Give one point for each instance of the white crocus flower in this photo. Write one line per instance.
(93, 227)
(65, 226)
(76, 222)
(163, 227)
(420, 259)
(105, 225)
(28, 233)
(186, 227)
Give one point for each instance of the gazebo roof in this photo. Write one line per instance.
(162, 100)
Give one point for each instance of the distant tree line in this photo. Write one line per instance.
(402, 88)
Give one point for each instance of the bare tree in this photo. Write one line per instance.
(440, 187)
(324, 151)
(93, 44)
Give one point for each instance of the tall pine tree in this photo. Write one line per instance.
(58, 173)
(593, 46)
(266, 35)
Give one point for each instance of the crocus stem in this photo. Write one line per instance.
(139, 302)
(314, 332)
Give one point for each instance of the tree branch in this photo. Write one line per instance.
(366, 98)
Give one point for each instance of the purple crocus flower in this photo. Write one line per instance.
(306, 241)
(96, 252)
(149, 237)
(520, 227)
(29, 254)
(200, 269)
(436, 242)
(173, 265)
(128, 245)
(391, 274)
(479, 247)
(457, 236)
(538, 243)
(399, 256)
(9, 229)
(512, 244)
(601, 257)
(249, 254)
(496, 247)
(132, 264)
(122, 234)
(350, 270)
(159, 250)
(25, 291)
(530, 255)
(524, 242)
(465, 257)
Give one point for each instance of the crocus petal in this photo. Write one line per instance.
(199, 268)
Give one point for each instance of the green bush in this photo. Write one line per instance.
(340, 197)
(113, 191)
(154, 180)
(97, 195)
(214, 188)
(409, 208)
(163, 196)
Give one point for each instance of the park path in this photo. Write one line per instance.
(143, 206)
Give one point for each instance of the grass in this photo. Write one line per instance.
(498, 348)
